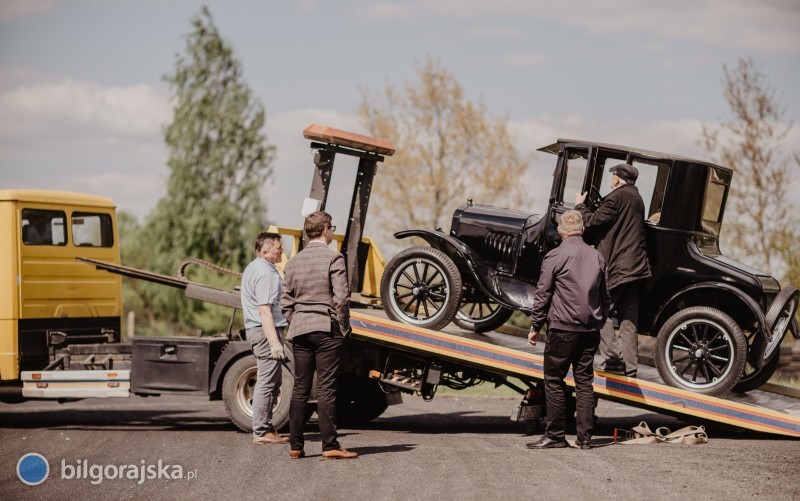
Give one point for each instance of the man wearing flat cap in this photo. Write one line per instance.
(619, 224)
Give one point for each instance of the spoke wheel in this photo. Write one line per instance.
(481, 316)
(421, 286)
(701, 349)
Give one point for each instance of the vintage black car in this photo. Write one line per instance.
(718, 322)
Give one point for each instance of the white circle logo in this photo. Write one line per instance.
(33, 468)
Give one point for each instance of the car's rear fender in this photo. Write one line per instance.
(726, 298)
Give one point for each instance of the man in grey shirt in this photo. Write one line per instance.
(264, 322)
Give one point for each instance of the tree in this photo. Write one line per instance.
(448, 150)
(218, 160)
(760, 225)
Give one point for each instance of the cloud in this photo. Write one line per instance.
(80, 136)
(17, 9)
(769, 25)
(132, 111)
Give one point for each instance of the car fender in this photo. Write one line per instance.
(233, 351)
(748, 301)
(463, 257)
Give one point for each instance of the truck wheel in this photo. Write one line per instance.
(359, 400)
(701, 349)
(481, 317)
(237, 394)
(421, 286)
(779, 317)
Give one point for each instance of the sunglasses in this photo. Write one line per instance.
(332, 227)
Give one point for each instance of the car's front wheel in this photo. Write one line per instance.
(421, 286)
(701, 349)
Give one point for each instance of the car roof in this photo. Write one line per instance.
(556, 147)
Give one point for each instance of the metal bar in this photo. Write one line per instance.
(357, 219)
(135, 273)
(347, 151)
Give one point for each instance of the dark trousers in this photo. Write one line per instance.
(562, 350)
(623, 344)
(320, 351)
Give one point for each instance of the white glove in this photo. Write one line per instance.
(276, 352)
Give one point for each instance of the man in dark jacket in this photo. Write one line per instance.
(619, 223)
(572, 296)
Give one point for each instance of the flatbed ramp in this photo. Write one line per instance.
(491, 352)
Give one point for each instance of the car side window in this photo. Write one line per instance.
(43, 227)
(652, 184)
(577, 160)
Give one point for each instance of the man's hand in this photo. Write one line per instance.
(533, 335)
(276, 352)
(580, 197)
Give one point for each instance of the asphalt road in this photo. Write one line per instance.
(452, 448)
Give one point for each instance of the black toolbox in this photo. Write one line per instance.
(174, 365)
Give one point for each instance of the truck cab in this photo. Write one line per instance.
(54, 300)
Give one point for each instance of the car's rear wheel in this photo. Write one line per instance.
(701, 349)
(421, 286)
(481, 316)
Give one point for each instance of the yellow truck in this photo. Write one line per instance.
(50, 301)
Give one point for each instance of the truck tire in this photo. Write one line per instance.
(359, 400)
(701, 349)
(237, 394)
(482, 316)
(421, 286)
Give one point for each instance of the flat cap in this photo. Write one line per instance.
(626, 172)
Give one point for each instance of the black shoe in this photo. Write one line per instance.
(584, 444)
(547, 443)
(614, 366)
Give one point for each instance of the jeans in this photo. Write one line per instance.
(267, 383)
(321, 352)
(562, 350)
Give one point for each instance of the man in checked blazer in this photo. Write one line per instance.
(316, 302)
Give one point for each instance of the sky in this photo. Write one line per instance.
(83, 102)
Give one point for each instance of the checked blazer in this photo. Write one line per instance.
(316, 292)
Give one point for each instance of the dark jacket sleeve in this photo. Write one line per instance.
(341, 293)
(544, 293)
(288, 299)
(603, 218)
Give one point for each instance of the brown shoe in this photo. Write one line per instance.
(270, 438)
(297, 454)
(339, 454)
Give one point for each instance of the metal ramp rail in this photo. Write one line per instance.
(514, 362)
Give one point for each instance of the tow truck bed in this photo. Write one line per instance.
(511, 355)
